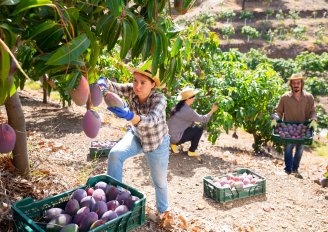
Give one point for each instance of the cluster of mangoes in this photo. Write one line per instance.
(89, 208)
(232, 181)
(293, 131)
(91, 120)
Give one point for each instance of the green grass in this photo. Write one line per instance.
(36, 85)
(322, 151)
(33, 85)
(320, 148)
(54, 96)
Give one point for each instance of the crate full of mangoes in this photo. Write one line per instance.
(242, 183)
(292, 132)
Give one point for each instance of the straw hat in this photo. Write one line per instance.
(147, 72)
(186, 93)
(296, 76)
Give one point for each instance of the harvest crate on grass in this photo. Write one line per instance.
(307, 139)
(28, 214)
(101, 149)
(225, 194)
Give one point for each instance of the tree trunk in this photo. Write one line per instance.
(16, 120)
(243, 5)
(45, 89)
(257, 143)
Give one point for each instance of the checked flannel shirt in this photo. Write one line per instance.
(152, 127)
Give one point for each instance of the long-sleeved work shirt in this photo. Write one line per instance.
(152, 127)
(183, 119)
(290, 109)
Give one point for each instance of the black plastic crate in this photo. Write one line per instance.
(28, 214)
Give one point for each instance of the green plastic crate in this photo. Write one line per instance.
(306, 141)
(96, 152)
(226, 194)
(28, 214)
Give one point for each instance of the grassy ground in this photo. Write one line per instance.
(322, 150)
(37, 86)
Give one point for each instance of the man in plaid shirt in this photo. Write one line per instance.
(149, 133)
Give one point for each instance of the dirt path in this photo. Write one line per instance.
(58, 151)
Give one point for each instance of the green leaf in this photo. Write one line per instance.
(6, 88)
(115, 6)
(28, 4)
(94, 47)
(176, 47)
(188, 49)
(41, 28)
(70, 52)
(9, 35)
(72, 80)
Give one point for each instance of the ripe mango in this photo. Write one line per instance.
(70, 228)
(59, 222)
(112, 100)
(72, 206)
(80, 214)
(88, 220)
(52, 213)
(97, 223)
(96, 95)
(81, 93)
(109, 215)
(7, 138)
(79, 194)
(91, 123)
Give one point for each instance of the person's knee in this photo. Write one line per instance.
(200, 129)
(114, 156)
(160, 182)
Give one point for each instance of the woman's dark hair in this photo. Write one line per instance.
(178, 107)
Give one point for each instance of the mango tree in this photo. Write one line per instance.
(63, 39)
(246, 97)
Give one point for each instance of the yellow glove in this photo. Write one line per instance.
(273, 123)
(313, 125)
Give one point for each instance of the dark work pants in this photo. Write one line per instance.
(292, 162)
(192, 134)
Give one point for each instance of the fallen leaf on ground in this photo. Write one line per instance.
(184, 223)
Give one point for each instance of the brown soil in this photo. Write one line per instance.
(58, 152)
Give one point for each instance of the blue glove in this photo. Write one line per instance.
(122, 112)
(102, 84)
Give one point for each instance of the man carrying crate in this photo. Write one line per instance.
(295, 106)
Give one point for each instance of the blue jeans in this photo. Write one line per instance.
(158, 161)
(292, 163)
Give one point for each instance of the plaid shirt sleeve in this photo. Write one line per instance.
(123, 90)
